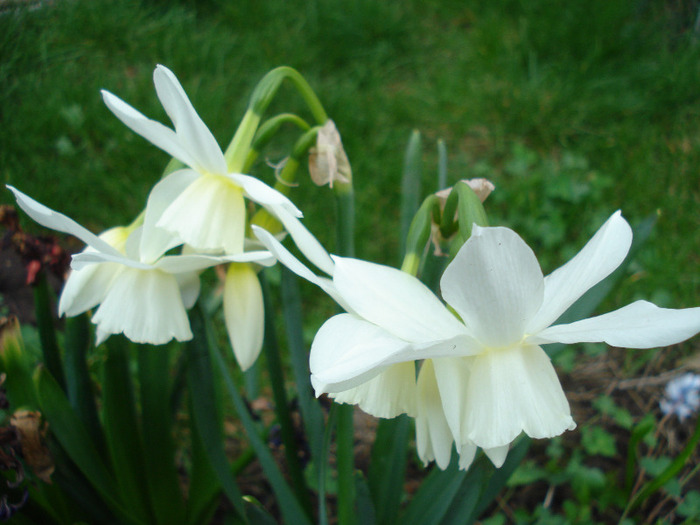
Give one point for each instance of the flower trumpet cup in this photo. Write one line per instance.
(143, 297)
(485, 363)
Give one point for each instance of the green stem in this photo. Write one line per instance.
(237, 152)
(345, 228)
(270, 83)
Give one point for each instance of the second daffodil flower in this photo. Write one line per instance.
(143, 294)
(484, 367)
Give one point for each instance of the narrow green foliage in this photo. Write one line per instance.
(123, 430)
(282, 407)
(156, 426)
(47, 332)
(206, 415)
(388, 467)
(75, 440)
(312, 415)
(79, 389)
(410, 185)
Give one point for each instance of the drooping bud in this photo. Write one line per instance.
(327, 161)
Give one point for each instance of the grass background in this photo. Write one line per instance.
(573, 110)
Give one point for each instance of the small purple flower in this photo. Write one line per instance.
(682, 396)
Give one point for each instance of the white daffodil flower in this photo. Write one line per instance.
(203, 205)
(143, 297)
(491, 376)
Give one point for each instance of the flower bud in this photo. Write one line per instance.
(328, 161)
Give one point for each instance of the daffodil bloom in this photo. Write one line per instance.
(203, 204)
(484, 361)
(145, 297)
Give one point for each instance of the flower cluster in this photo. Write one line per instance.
(141, 291)
(484, 377)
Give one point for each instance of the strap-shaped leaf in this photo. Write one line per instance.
(435, 495)
(75, 440)
(388, 467)
(78, 383)
(156, 426)
(289, 506)
(47, 332)
(204, 410)
(122, 429)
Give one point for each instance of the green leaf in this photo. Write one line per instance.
(157, 430)
(122, 430)
(47, 332)
(690, 506)
(79, 388)
(500, 476)
(75, 440)
(282, 408)
(387, 468)
(364, 505)
(311, 413)
(204, 484)
(597, 441)
(205, 413)
(289, 506)
(435, 495)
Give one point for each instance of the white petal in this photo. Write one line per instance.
(156, 241)
(347, 351)
(598, 259)
(86, 258)
(495, 284)
(286, 258)
(388, 394)
(452, 375)
(637, 325)
(86, 288)
(208, 215)
(59, 222)
(307, 243)
(192, 133)
(244, 313)
(433, 436)
(394, 300)
(153, 131)
(257, 191)
(467, 451)
(497, 455)
(145, 306)
(511, 391)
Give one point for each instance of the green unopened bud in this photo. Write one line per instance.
(458, 208)
(419, 234)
